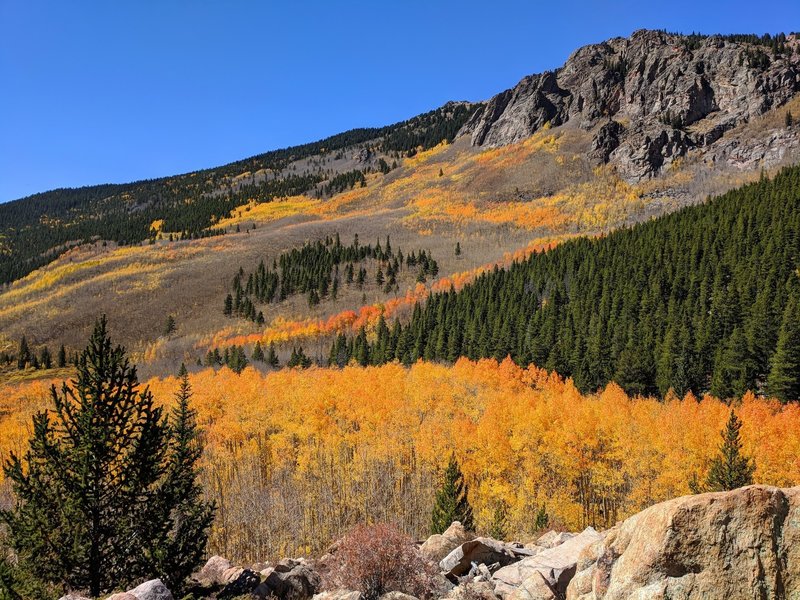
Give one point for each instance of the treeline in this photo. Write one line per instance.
(36, 229)
(430, 129)
(344, 181)
(313, 269)
(704, 300)
(776, 43)
(28, 357)
(235, 358)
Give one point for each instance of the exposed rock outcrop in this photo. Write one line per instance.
(678, 95)
(740, 544)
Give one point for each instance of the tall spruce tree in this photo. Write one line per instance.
(784, 376)
(102, 481)
(451, 501)
(185, 516)
(24, 355)
(62, 356)
(730, 469)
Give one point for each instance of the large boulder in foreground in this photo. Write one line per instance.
(739, 544)
(553, 568)
(438, 546)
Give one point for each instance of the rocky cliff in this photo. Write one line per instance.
(649, 99)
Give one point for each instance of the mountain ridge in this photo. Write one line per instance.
(677, 93)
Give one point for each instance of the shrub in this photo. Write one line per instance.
(376, 559)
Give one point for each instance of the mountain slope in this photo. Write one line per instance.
(74, 254)
(36, 229)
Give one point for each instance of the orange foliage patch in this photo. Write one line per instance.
(524, 437)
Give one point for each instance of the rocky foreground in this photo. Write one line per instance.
(739, 544)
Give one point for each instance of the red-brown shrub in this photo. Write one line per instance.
(376, 559)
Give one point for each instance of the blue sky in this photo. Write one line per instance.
(104, 91)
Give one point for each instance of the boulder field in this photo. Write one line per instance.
(727, 545)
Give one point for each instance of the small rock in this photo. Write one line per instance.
(438, 546)
(212, 571)
(151, 590)
(551, 539)
(534, 587)
(229, 575)
(244, 583)
(480, 551)
(338, 595)
(300, 583)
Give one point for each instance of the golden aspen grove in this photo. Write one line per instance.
(295, 458)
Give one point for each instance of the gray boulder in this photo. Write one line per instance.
(481, 550)
(244, 583)
(300, 582)
(722, 545)
(151, 590)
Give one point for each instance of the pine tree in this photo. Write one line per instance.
(62, 357)
(228, 309)
(45, 358)
(784, 376)
(186, 517)
(272, 356)
(458, 248)
(451, 501)
(169, 326)
(24, 354)
(258, 352)
(94, 488)
(542, 519)
(730, 469)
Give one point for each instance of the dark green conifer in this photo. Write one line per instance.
(784, 376)
(451, 501)
(95, 490)
(730, 469)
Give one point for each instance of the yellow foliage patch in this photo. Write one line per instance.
(366, 444)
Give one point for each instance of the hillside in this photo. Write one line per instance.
(706, 299)
(546, 161)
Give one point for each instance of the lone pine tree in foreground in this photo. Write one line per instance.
(451, 501)
(106, 495)
(730, 469)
